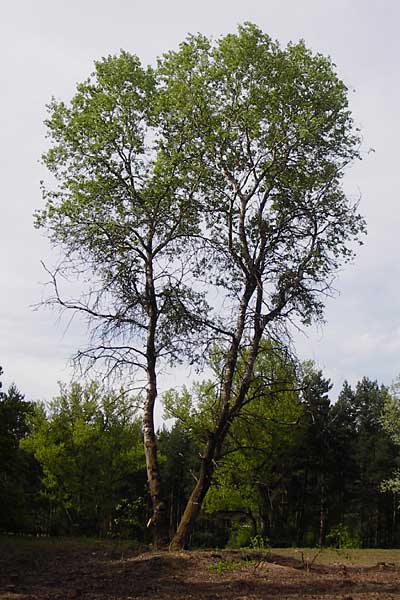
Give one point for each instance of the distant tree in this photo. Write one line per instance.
(344, 472)
(375, 455)
(368, 456)
(316, 460)
(390, 421)
(179, 457)
(88, 445)
(19, 473)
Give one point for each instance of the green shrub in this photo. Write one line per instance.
(240, 537)
(341, 536)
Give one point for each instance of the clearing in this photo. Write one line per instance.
(51, 569)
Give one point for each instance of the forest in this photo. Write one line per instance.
(200, 216)
(297, 470)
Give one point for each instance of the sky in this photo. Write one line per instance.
(48, 46)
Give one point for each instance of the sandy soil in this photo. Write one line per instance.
(60, 571)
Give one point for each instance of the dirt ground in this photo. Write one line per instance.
(45, 570)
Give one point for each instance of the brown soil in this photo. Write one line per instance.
(88, 571)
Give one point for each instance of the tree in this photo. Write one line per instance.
(390, 417)
(271, 135)
(253, 474)
(343, 474)
(375, 454)
(367, 455)
(178, 452)
(88, 445)
(390, 422)
(121, 210)
(19, 472)
(316, 460)
(234, 150)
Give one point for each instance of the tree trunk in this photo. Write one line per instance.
(217, 437)
(230, 409)
(322, 514)
(300, 525)
(185, 529)
(159, 518)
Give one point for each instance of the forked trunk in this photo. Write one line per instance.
(228, 413)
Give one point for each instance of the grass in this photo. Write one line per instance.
(347, 556)
(222, 566)
(28, 543)
(328, 556)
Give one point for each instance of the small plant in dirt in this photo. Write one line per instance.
(308, 561)
(222, 566)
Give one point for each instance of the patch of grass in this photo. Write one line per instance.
(223, 566)
(349, 556)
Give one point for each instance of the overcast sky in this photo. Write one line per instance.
(47, 46)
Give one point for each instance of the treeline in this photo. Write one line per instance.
(296, 469)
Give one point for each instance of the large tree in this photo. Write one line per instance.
(271, 137)
(121, 207)
(220, 172)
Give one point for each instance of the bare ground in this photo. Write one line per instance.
(44, 569)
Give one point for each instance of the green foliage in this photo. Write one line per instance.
(128, 517)
(316, 457)
(375, 454)
(270, 135)
(261, 439)
(194, 409)
(223, 566)
(342, 537)
(118, 206)
(19, 472)
(178, 453)
(390, 421)
(390, 417)
(240, 536)
(363, 455)
(292, 454)
(215, 174)
(260, 442)
(88, 446)
(258, 542)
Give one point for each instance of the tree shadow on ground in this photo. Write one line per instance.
(124, 575)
